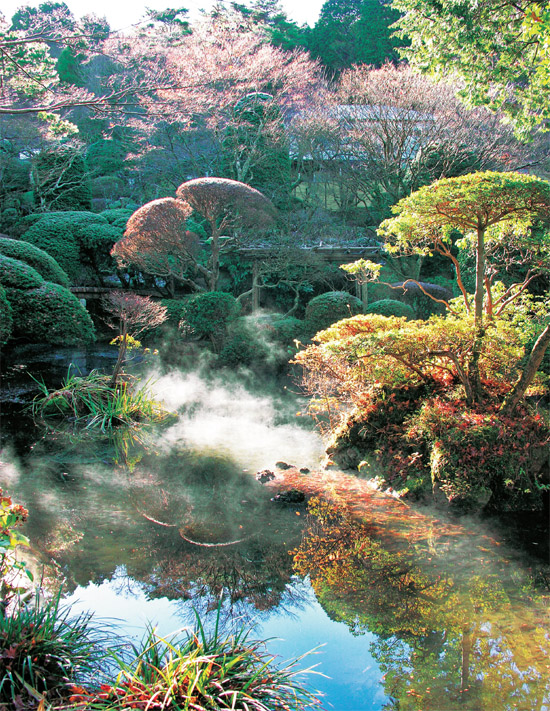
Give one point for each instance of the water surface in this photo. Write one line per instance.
(406, 609)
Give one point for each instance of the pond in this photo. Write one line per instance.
(405, 609)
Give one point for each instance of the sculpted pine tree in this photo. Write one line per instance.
(157, 242)
(226, 204)
(495, 213)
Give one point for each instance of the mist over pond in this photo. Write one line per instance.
(414, 611)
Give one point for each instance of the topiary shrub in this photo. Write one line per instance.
(6, 318)
(326, 309)
(208, 315)
(241, 347)
(50, 313)
(390, 307)
(117, 214)
(79, 241)
(18, 275)
(286, 330)
(35, 257)
(169, 329)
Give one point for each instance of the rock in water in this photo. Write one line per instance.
(265, 475)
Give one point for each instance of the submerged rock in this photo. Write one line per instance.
(292, 496)
(264, 476)
(283, 465)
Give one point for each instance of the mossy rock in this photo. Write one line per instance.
(35, 257)
(391, 307)
(326, 309)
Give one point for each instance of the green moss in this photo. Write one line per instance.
(326, 309)
(35, 257)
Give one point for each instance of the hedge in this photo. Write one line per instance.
(6, 318)
(50, 313)
(35, 257)
(390, 307)
(18, 275)
(76, 240)
(326, 309)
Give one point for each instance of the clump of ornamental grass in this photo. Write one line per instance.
(200, 673)
(42, 651)
(92, 401)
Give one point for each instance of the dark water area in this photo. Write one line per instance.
(406, 609)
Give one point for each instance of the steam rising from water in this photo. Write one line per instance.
(255, 430)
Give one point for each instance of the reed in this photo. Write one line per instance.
(43, 650)
(200, 673)
(91, 401)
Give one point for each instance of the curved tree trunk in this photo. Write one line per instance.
(479, 330)
(535, 359)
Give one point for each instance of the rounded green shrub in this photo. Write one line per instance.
(208, 315)
(167, 331)
(241, 347)
(18, 275)
(174, 310)
(6, 318)
(390, 307)
(50, 313)
(35, 257)
(76, 240)
(117, 214)
(326, 309)
(285, 330)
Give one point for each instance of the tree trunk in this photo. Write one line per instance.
(479, 330)
(215, 256)
(255, 286)
(480, 278)
(525, 379)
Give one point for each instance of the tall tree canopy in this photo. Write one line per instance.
(500, 48)
(354, 32)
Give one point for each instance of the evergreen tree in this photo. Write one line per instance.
(352, 32)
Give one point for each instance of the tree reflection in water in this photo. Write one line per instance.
(185, 525)
(458, 623)
(468, 634)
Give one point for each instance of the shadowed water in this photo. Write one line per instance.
(414, 611)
